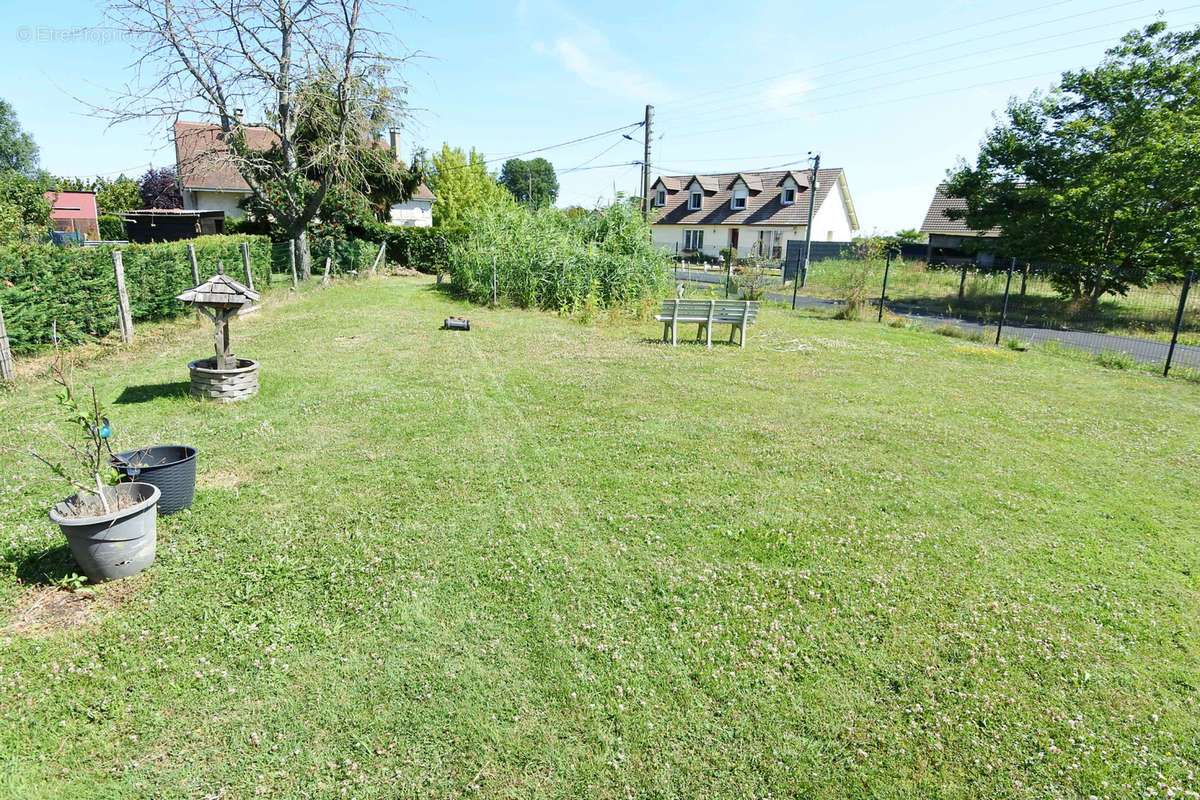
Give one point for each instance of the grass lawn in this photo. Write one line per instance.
(548, 559)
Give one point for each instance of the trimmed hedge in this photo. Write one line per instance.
(75, 285)
(423, 249)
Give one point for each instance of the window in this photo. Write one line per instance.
(660, 197)
(789, 196)
(693, 240)
(695, 200)
(738, 202)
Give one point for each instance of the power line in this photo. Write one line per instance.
(487, 161)
(605, 151)
(990, 35)
(723, 111)
(776, 120)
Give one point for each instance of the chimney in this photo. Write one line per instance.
(394, 141)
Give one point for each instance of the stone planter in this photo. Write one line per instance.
(224, 385)
(114, 545)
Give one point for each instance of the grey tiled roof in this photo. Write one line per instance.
(936, 220)
(763, 207)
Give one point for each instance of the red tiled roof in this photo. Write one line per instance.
(203, 160)
(764, 205)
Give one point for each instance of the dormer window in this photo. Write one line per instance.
(738, 201)
(695, 201)
(660, 197)
(789, 196)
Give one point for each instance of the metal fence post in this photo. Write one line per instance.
(887, 267)
(962, 282)
(1183, 296)
(1004, 310)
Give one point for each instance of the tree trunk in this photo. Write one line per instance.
(303, 257)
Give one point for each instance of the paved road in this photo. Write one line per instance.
(1146, 351)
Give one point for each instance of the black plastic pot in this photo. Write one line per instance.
(172, 468)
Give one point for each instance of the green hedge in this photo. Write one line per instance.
(352, 255)
(423, 249)
(40, 284)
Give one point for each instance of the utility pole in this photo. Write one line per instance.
(802, 278)
(646, 164)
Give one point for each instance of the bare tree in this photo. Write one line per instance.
(324, 76)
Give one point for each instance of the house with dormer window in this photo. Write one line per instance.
(754, 213)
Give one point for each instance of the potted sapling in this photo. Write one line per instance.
(111, 529)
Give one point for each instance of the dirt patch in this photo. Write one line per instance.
(47, 609)
(223, 478)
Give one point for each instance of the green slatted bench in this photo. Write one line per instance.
(738, 314)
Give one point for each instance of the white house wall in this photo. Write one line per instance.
(414, 213)
(716, 237)
(200, 200)
(831, 223)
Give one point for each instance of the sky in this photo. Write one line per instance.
(893, 92)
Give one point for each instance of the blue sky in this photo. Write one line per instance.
(894, 92)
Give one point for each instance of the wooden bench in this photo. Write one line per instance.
(706, 313)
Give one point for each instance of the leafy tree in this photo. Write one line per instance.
(117, 194)
(18, 152)
(532, 182)
(910, 236)
(462, 184)
(159, 188)
(24, 209)
(1100, 174)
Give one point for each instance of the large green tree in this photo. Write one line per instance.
(462, 184)
(532, 182)
(18, 152)
(1099, 175)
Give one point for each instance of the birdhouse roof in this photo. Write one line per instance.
(220, 290)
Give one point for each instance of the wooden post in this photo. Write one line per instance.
(195, 266)
(246, 265)
(325, 278)
(292, 261)
(375, 266)
(712, 304)
(124, 317)
(493, 281)
(7, 371)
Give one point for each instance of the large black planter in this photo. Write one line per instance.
(172, 468)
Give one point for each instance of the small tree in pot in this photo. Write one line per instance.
(111, 529)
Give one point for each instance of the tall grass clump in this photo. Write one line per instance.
(556, 261)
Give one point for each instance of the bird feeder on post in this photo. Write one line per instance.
(223, 377)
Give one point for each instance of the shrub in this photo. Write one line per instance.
(74, 286)
(547, 259)
(952, 331)
(854, 284)
(112, 227)
(424, 249)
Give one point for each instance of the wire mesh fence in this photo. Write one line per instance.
(1032, 305)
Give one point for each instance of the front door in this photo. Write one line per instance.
(733, 239)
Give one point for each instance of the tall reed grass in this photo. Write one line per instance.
(557, 261)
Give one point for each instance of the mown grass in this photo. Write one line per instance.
(543, 559)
